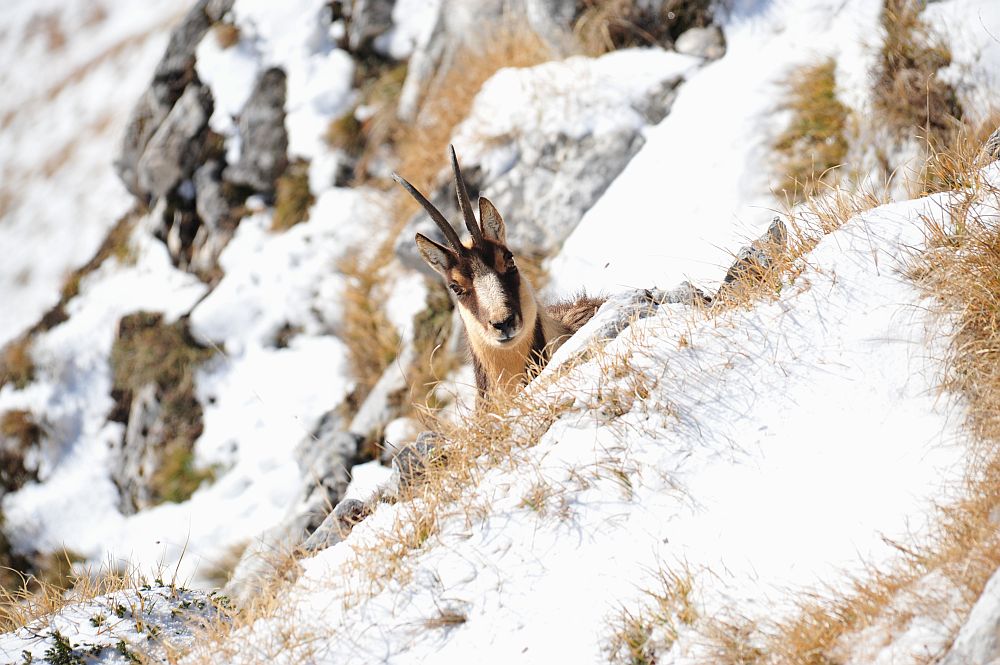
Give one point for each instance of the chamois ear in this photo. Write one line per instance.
(492, 222)
(439, 258)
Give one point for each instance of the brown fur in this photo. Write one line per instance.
(509, 333)
(574, 314)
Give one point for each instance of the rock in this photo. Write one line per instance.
(992, 146)
(216, 228)
(174, 72)
(753, 262)
(708, 43)
(368, 20)
(172, 151)
(136, 461)
(541, 175)
(263, 138)
(326, 464)
(411, 462)
(978, 641)
(397, 435)
(337, 525)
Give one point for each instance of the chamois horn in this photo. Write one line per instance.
(463, 201)
(442, 223)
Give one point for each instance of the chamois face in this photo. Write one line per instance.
(495, 303)
(498, 308)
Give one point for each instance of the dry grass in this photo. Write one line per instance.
(16, 365)
(814, 144)
(421, 147)
(606, 25)
(35, 595)
(955, 156)
(19, 433)
(371, 339)
(909, 97)
(637, 635)
(227, 35)
(148, 351)
(292, 197)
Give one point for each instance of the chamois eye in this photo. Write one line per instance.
(456, 289)
(509, 260)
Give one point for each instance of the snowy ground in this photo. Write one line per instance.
(74, 69)
(114, 628)
(775, 450)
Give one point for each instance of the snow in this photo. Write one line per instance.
(759, 460)
(285, 279)
(413, 22)
(701, 184)
(63, 114)
(151, 621)
(775, 448)
(285, 35)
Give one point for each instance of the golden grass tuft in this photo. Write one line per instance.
(371, 339)
(227, 35)
(16, 364)
(955, 156)
(908, 95)
(292, 197)
(33, 595)
(814, 144)
(421, 146)
(149, 351)
(638, 635)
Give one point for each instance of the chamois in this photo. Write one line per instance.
(509, 332)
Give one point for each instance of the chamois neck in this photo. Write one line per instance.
(504, 369)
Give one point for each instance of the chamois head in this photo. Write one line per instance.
(496, 303)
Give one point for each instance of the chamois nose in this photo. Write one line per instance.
(505, 326)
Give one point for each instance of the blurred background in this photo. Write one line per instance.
(213, 315)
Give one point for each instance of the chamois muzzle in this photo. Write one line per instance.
(507, 329)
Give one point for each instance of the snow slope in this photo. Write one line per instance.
(702, 183)
(776, 450)
(74, 69)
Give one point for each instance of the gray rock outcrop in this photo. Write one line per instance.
(136, 460)
(263, 138)
(368, 19)
(172, 76)
(753, 262)
(978, 641)
(173, 151)
(325, 459)
(550, 181)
